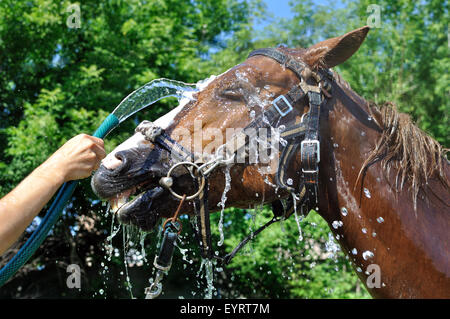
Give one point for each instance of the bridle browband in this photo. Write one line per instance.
(300, 136)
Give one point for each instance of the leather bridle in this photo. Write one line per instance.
(300, 136)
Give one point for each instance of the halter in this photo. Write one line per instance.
(303, 136)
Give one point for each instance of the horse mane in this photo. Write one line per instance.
(403, 147)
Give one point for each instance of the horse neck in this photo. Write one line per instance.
(373, 223)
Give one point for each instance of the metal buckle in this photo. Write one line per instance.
(311, 142)
(282, 97)
(159, 267)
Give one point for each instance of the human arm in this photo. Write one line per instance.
(76, 159)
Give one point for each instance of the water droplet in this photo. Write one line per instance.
(363, 133)
(289, 181)
(331, 247)
(367, 193)
(369, 118)
(335, 145)
(222, 204)
(364, 230)
(354, 251)
(380, 219)
(367, 254)
(344, 211)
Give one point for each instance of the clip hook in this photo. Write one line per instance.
(155, 288)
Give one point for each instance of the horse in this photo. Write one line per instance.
(379, 181)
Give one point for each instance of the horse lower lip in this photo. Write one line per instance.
(142, 203)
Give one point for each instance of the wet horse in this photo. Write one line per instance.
(382, 183)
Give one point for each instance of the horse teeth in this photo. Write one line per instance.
(122, 200)
(119, 200)
(114, 205)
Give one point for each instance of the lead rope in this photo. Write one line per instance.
(163, 261)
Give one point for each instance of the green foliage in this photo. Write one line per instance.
(285, 261)
(57, 82)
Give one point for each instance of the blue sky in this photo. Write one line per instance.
(281, 8)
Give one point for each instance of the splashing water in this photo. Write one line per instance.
(142, 242)
(266, 180)
(114, 231)
(367, 193)
(150, 93)
(331, 247)
(367, 254)
(208, 267)
(222, 203)
(129, 286)
(300, 234)
(337, 223)
(108, 244)
(184, 252)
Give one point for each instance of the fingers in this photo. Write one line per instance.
(96, 140)
(99, 151)
(100, 154)
(96, 146)
(95, 151)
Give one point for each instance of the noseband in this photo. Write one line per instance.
(303, 136)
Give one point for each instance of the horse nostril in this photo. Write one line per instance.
(114, 162)
(121, 162)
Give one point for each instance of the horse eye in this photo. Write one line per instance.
(232, 94)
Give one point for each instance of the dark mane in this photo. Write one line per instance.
(414, 155)
(410, 152)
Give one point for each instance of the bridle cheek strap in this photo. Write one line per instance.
(304, 136)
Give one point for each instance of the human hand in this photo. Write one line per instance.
(77, 158)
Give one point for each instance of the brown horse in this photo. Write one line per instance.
(383, 183)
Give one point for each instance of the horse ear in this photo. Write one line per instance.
(335, 51)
